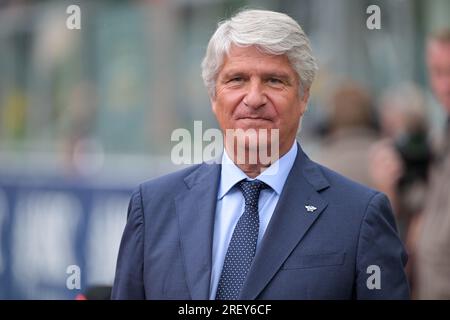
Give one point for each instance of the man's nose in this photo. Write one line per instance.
(255, 96)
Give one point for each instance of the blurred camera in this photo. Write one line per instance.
(415, 152)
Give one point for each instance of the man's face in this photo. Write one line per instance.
(438, 61)
(255, 90)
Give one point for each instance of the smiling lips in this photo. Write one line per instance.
(254, 118)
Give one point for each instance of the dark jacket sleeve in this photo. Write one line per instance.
(381, 257)
(128, 282)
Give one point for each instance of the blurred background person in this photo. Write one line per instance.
(416, 173)
(350, 131)
(399, 162)
(433, 237)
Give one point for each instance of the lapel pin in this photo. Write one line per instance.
(310, 208)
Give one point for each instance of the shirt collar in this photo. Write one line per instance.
(275, 176)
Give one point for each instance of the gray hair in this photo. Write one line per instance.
(271, 32)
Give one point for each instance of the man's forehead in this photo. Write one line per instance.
(253, 51)
(237, 61)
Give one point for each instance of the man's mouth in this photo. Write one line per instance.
(254, 118)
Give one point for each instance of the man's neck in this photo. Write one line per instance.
(254, 170)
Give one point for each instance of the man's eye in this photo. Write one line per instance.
(275, 81)
(236, 79)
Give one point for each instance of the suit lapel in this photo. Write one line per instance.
(195, 209)
(289, 223)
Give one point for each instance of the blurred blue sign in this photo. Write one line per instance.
(50, 225)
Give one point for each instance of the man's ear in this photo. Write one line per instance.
(213, 105)
(304, 100)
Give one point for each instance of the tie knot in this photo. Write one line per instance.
(251, 190)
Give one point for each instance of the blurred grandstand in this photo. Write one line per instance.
(85, 115)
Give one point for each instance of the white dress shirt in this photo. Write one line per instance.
(230, 205)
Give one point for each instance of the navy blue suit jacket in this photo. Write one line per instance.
(166, 247)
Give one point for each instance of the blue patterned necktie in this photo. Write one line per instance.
(242, 247)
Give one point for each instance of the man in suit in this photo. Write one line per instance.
(287, 229)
